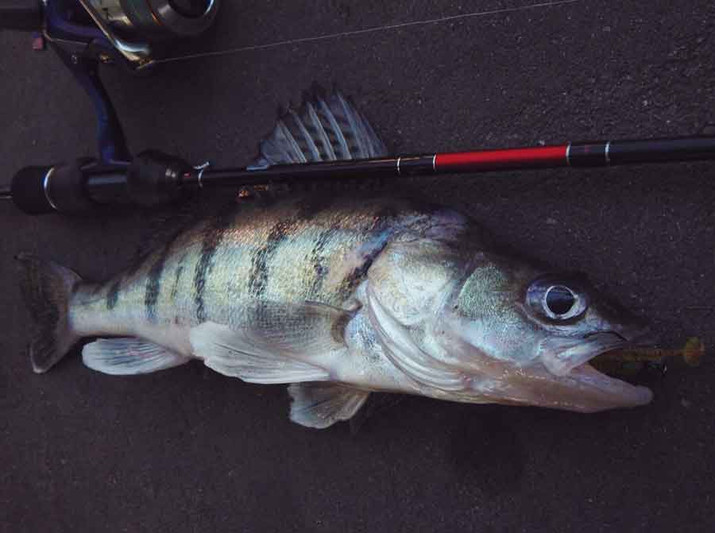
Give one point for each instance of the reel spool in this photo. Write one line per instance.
(131, 31)
(154, 19)
(131, 26)
(89, 33)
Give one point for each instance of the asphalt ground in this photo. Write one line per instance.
(190, 450)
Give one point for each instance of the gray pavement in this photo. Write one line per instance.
(190, 450)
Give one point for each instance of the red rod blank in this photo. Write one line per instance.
(542, 156)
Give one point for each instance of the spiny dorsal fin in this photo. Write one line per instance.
(323, 129)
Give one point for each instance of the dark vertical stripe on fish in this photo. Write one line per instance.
(113, 294)
(153, 281)
(308, 208)
(258, 279)
(177, 277)
(382, 230)
(318, 260)
(212, 236)
(116, 286)
(357, 274)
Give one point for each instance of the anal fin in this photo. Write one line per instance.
(128, 355)
(320, 405)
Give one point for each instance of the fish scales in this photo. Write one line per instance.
(314, 255)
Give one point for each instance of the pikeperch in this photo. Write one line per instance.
(340, 298)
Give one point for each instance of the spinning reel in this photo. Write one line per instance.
(132, 32)
(85, 34)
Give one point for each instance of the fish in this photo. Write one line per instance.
(342, 297)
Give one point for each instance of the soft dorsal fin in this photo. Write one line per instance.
(323, 129)
(320, 405)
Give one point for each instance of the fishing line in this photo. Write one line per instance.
(352, 33)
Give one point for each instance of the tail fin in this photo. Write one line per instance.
(47, 288)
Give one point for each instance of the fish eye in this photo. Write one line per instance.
(559, 300)
(556, 301)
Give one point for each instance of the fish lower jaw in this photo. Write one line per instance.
(608, 392)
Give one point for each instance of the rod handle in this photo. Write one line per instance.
(60, 188)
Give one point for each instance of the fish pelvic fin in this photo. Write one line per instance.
(129, 356)
(46, 288)
(320, 405)
(324, 129)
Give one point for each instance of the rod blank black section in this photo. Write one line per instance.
(658, 150)
(323, 170)
(417, 165)
(588, 154)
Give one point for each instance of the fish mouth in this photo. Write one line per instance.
(570, 361)
(558, 376)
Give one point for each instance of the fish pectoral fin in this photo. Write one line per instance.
(245, 354)
(320, 405)
(129, 355)
(280, 343)
(301, 329)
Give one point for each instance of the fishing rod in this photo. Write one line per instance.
(87, 33)
(154, 178)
